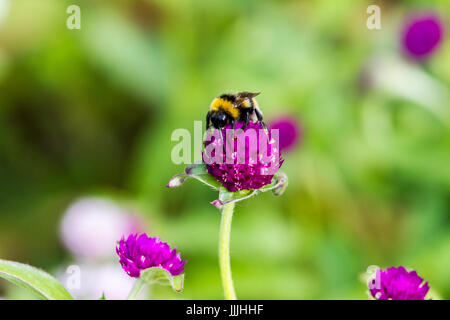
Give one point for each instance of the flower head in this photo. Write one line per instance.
(422, 35)
(398, 284)
(140, 252)
(289, 132)
(248, 163)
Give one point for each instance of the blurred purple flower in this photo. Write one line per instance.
(290, 132)
(244, 168)
(97, 218)
(398, 284)
(140, 252)
(422, 35)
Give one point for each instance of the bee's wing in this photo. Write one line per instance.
(238, 101)
(241, 96)
(246, 94)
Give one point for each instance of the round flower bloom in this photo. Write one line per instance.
(422, 35)
(140, 252)
(398, 284)
(289, 132)
(100, 217)
(242, 166)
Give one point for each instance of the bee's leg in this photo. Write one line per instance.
(220, 130)
(264, 126)
(258, 115)
(208, 120)
(230, 142)
(233, 125)
(246, 120)
(260, 120)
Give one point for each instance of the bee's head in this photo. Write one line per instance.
(219, 119)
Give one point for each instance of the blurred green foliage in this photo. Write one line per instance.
(91, 111)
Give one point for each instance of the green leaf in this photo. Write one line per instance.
(34, 280)
(197, 171)
(162, 276)
(102, 297)
(278, 186)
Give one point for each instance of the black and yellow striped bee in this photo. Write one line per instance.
(232, 108)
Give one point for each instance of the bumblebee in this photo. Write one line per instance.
(232, 108)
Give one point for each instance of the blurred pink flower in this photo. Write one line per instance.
(91, 226)
(5, 8)
(98, 279)
(290, 132)
(422, 35)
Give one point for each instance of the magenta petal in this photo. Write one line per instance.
(139, 252)
(398, 284)
(247, 167)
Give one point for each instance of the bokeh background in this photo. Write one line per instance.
(86, 118)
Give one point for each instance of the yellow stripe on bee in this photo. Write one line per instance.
(245, 103)
(255, 103)
(225, 105)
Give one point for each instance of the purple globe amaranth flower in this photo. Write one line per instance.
(248, 163)
(140, 252)
(422, 35)
(398, 284)
(290, 132)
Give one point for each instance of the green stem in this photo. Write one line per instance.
(138, 284)
(224, 251)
